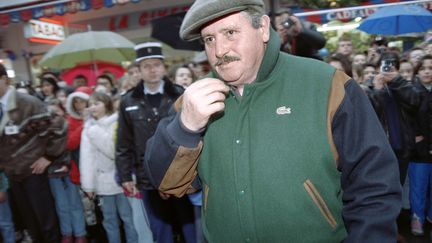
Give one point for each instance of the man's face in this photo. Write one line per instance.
(78, 82)
(234, 48)
(3, 85)
(345, 48)
(152, 70)
(104, 82)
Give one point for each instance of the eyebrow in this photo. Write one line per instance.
(231, 27)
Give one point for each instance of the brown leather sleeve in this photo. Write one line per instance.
(178, 103)
(182, 172)
(336, 95)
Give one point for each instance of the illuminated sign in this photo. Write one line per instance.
(44, 31)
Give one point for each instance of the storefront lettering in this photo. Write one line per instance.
(45, 30)
(148, 16)
(351, 14)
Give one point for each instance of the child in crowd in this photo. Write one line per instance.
(406, 70)
(97, 168)
(7, 231)
(69, 207)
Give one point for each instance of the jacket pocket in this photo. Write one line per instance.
(320, 203)
(205, 197)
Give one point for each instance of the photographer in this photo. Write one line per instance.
(377, 47)
(298, 37)
(394, 104)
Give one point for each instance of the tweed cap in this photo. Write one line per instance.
(204, 11)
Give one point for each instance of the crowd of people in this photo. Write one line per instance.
(118, 162)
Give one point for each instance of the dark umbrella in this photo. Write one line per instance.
(166, 29)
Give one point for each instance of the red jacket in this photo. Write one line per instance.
(75, 127)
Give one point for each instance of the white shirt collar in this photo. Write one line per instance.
(159, 90)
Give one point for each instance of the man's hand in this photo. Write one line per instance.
(39, 166)
(130, 187)
(3, 197)
(297, 28)
(201, 100)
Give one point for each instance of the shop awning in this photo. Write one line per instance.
(32, 10)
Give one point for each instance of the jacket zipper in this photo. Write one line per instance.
(320, 203)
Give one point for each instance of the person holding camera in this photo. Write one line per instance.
(298, 37)
(394, 104)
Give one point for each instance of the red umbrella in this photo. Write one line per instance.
(91, 71)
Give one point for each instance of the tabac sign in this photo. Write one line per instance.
(46, 31)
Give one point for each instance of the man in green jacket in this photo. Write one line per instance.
(286, 149)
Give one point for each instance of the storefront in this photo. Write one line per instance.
(28, 33)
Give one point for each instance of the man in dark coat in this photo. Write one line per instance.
(140, 110)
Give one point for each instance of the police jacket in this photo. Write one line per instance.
(136, 123)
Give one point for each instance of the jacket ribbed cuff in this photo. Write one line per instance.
(181, 135)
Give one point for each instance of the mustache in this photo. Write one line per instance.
(226, 59)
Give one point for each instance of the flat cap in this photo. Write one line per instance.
(203, 11)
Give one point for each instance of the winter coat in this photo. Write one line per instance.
(406, 99)
(423, 125)
(75, 127)
(137, 123)
(97, 167)
(39, 134)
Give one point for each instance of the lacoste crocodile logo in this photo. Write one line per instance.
(283, 110)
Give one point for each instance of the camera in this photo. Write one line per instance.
(288, 23)
(386, 65)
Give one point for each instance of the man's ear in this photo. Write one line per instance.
(265, 28)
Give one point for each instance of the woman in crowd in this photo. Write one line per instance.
(97, 168)
(420, 170)
(181, 74)
(49, 89)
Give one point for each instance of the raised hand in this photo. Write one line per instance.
(201, 100)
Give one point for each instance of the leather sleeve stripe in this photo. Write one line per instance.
(182, 172)
(336, 96)
(178, 104)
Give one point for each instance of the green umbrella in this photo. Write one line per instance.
(87, 47)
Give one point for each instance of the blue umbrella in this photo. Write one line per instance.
(398, 20)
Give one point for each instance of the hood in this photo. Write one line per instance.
(81, 92)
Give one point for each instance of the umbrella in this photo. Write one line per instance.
(166, 29)
(398, 20)
(89, 47)
(91, 73)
